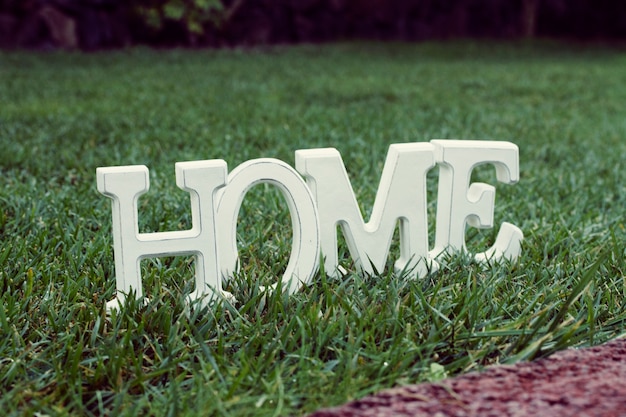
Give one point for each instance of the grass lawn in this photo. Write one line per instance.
(62, 115)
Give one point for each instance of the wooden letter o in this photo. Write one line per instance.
(304, 258)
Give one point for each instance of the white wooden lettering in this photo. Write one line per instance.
(460, 203)
(124, 185)
(304, 258)
(317, 207)
(400, 200)
(211, 199)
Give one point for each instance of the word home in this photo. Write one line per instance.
(320, 199)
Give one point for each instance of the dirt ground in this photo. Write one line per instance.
(574, 382)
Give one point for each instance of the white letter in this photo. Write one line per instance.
(124, 185)
(459, 202)
(401, 196)
(304, 258)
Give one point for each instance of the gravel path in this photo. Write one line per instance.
(574, 382)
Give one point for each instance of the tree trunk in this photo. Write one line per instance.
(529, 16)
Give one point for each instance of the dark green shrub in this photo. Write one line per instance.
(194, 15)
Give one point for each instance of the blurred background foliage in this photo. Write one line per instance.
(96, 24)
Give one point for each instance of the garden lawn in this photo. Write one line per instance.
(62, 115)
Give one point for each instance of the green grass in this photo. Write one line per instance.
(62, 115)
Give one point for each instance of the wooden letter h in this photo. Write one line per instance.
(124, 185)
